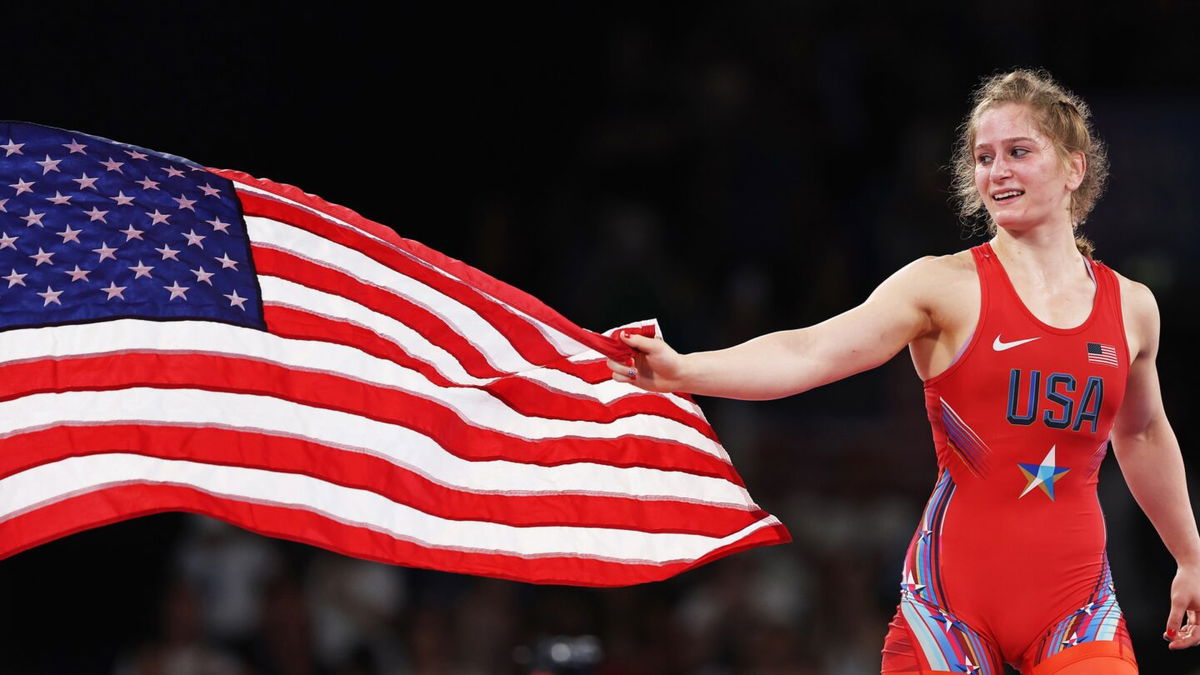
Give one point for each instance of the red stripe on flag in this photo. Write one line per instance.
(282, 264)
(260, 205)
(246, 448)
(524, 336)
(521, 394)
(119, 503)
(452, 432)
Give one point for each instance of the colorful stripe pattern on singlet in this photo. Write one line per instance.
(967, 444)
(947, 643)
(1096, 621)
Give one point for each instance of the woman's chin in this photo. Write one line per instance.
(1011, 221)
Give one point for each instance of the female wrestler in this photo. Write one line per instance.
(1033, 356)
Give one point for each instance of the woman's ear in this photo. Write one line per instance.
(1076, 169)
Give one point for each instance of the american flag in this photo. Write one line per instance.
(179, 338)
(1101, 353)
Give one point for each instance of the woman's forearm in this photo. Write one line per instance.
(767, 367)
(789, 362)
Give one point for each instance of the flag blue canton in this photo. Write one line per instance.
(91, 229)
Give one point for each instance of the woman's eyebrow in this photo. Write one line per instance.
(1008, 140)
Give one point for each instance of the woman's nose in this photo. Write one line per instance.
(1000, 168)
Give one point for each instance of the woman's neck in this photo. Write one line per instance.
(1045, 254)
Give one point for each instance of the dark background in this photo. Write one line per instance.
(728, 170)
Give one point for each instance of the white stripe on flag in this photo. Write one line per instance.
(132, 335)
(395, 443)
(563, 343)
(53, 482)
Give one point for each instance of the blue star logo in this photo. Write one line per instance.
(1043, 475)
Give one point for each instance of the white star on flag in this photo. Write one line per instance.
(70, 234)
(177, 291)
(105, 251)
(11, 148)
(141, 270)
(114, 291)
(22, 186)
(235, 301)
(42, 257)
(33, 219)
(202, 276)
(51, 296)
(168, 253)
(85, 182)
(15, 279)
(48, 165)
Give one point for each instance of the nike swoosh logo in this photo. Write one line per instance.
(1000, 346)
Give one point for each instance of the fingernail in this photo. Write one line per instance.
(1171, 635)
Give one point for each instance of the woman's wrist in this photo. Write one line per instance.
(685, 379)
(1189, 557)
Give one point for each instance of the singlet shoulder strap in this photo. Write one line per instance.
(985, 269)
(1109, 285)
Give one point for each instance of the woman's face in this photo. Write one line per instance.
(1020, 177)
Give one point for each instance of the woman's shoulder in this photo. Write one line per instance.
(1140, 311)
(935, 280)
(1136, 297)
(936, 269)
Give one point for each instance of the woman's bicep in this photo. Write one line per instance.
(1143, 404)
(876, 330)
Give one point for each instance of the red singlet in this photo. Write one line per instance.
(1008, 564)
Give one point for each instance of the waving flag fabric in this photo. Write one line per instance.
(179, 338)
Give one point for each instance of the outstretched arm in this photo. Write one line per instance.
(788, 362)
(1148, 452)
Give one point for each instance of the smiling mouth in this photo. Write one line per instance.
(1007, 195)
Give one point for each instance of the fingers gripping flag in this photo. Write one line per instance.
(178, 338)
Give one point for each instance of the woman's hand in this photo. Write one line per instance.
(1185, 599)
(656, 367)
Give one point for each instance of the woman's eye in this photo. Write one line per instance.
(983, 159)
(1019, 152)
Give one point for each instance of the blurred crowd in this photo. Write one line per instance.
(730, 173)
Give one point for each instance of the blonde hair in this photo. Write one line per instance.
(1060, 115)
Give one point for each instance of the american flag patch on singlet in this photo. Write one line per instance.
(1101, 353)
